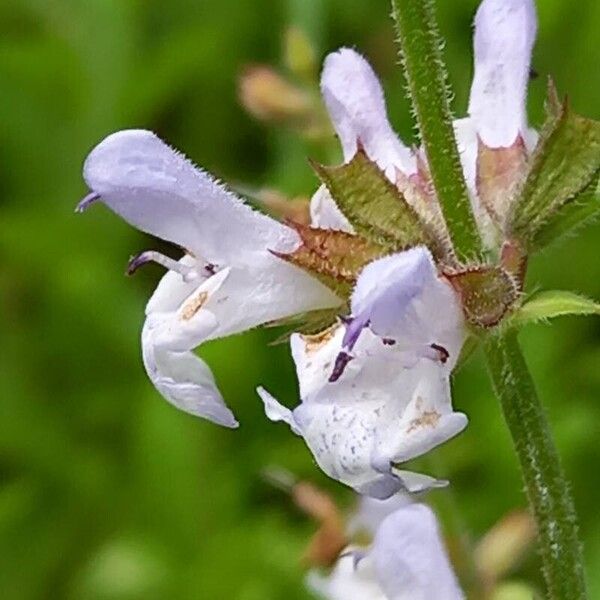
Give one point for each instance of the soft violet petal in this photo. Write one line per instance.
(356, 105)
(403, 299)
(505, 32)
(159, 191)
(409, 557)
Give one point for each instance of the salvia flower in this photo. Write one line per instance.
(405, 561)
(406, 331)
(229, 281)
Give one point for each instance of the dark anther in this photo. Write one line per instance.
(341, 362)
(444, 354)
(388, 341)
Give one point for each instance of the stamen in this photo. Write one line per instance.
(187, 272)
(441, 353)
(341, 362)
(87, 201)
(356, 555)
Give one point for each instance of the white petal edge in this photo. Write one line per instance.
(276, 412)
(185, 381)
(349, 580)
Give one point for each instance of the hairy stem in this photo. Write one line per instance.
(421, 52)
(547, 489)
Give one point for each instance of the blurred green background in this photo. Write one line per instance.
(106, 491)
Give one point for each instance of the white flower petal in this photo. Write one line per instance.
(505, 33)
(425, 422)
(168, 336)
(276, 412)
(325, 214)
(349, 580)
(184, 381)
(371, 512)
(159, 191)
(409, 558)
(172, 290)
(388, 406)
(230, 301)
(356, 105)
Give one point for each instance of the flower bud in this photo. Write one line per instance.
(504, 545)
(270, 97)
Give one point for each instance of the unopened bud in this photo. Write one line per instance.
(269, 97)
(505, 545)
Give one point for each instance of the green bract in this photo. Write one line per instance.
(565, 164)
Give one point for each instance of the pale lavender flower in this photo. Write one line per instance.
(228, 282)
(388, 400)
(406, 560)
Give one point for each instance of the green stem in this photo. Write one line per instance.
(547, 489)
(420, 47)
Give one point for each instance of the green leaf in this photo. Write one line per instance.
(572, 217)
(374, 206)
(421, 52)
(565, 163)
(551, 304)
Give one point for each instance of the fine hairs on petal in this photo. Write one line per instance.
(159, 191)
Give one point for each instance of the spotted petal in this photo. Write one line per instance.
(391, 400)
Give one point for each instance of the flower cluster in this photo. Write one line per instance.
(376, 267)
